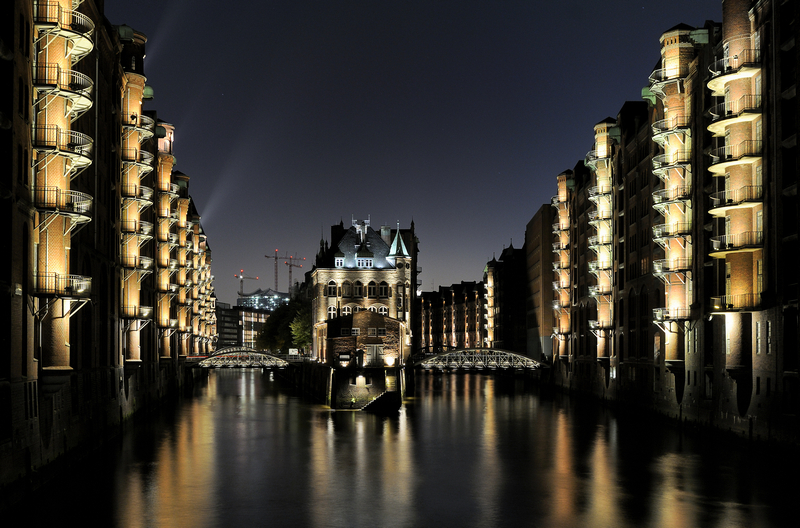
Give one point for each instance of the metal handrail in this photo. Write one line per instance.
(64, 200)
(52, 13)
(674, 158)
(750, 147)
(742, 301)
(50, 73)
(62, 285)
(735, 62)
(668, 74)
(748, 193)
(734, 108)
(671, 123)
(737, 240)
(667, 314)
(600, 240)
(675, 264)
(52, 136)
(136, 312)
(673, 229)
(139, 192)
(680, 192)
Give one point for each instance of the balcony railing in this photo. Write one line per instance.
(669, 74)
(71, 84)
(600, 240)
(748, 193)
(136, 312)
(599, 190)
(672, 230)
(600, 325)
(672, 265)
(561, 264)
(604, 214)
(597, 265)
(678, 157)
(736, 241)
(680, 192)
(560, 246)
(72, 202)
(745, 103)
(68, 142)
(671, 124)
(671, 314)
(558, 285)
(744, 149)
(137, 156)
(138, 227)
(143, 123)
(136, 262)
(593, 156)
(599, 289)
(137, 192)
(560, 227)
(49, 16)
(53, 284)
(725, 66)
(742, 301)
(559, 304)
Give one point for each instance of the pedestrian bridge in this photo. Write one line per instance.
(475, 359)
(242, 357)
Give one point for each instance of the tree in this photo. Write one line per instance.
(301, 328)
(276, 335)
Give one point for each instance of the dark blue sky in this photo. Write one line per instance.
(291, 115)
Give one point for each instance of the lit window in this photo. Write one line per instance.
(356, 331)
(372, 332)
(339, 262)
(346, 310)
(331, 312)
(372, 309)
(383, 310)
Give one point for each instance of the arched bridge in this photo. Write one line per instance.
(476, 358)
(242, 357)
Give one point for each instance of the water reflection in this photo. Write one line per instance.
(465, 450)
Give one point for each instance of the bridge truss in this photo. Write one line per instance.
(478, 359)
(242, 357)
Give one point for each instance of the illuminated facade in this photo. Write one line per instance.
(268, 299)
(453, 317)
(364, 269)
(89, 328)
(690, 210)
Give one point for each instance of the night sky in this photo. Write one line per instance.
(292, 115)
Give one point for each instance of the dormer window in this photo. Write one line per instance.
(339, 262)
(364, 262)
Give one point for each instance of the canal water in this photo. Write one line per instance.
(464, 450)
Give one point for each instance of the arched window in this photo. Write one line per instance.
(357, 289)
(383, 310)
(331, 312)
(372, 309)
(383, 290)
(347, 289)
(371, 289)
(332, 289)
(347, 310)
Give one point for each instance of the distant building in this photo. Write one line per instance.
(453, 317)
(268, 299)
(505, 279)
(540, 283)
(239, 325)
(364, 270)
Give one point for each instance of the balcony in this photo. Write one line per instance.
(660, 78)
(136, 262)
(62, 286)
(747, 241)
(138, 193)
(168, 323)
(559, 304)
(600, 325)
(672, 125)
(744, 64)
(677, 194)
(143, 125)
(171, 190)
(672, 160)
(141, 159)
(560, 246)
(745, 109)
(75, 146)
(741, 198)
(137, 227)
(558, 202)
(76, 205)
(74, 87)
(597, 266)
(599, 290)
(671, 314)
(596, 241)
(136, 312)
(725, 157)
(558, 227)
(673, 230)
(599, 191)
(51, 19)
(735, 303)
(593, 157)
(559, 285)
(561, 264)
(675, 265)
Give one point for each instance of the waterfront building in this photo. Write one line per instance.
(91, 327)
(363, 269)
(453, 317)
(539, 317)
(505, 279)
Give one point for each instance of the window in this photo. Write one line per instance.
(371, 289)
(347, 289)
(372, 332)
(339, 262)
(383, 290)
(331, 312)
(372, 309)
(383, 310)
(364, 262)
(356, 331)
(769, 337)
(346, 310)
(331, 289)
(345, 331)
(357, 289)
(381, 332)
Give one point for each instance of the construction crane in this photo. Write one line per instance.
(241, 276)
(291, 264)
(288, 259)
